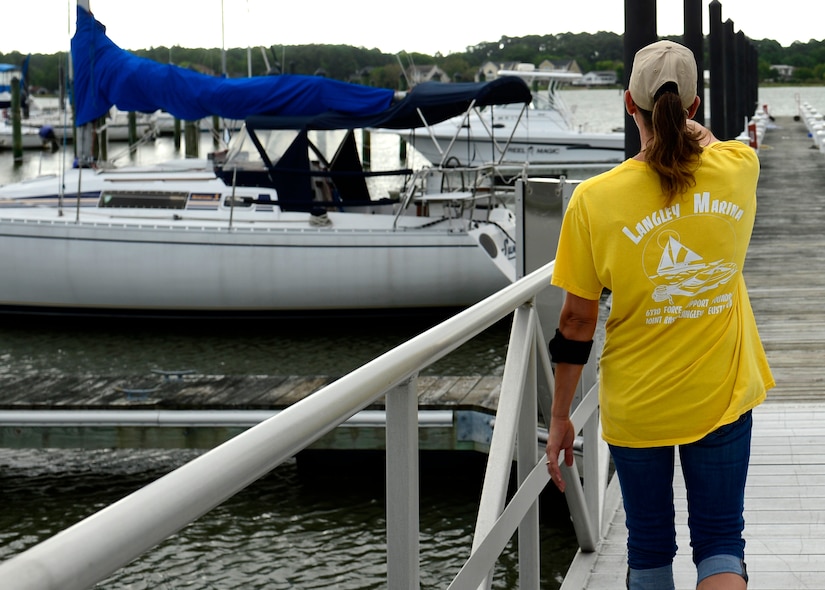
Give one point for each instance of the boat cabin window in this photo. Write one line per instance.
(144, 199)
(229, 201)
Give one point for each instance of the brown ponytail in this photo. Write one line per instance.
(673, 152)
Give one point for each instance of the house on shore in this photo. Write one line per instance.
(597, 78)
(428, 73)
(489, 70)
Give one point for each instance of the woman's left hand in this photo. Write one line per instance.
(560, 438)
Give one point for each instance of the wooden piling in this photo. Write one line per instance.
(192, 138)
(132, 128)
(16, 126)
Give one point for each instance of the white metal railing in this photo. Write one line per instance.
(91, 550)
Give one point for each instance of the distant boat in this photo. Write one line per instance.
(30, 136)
(115, 123)
(540, 137)
(288, 220)
(7, 73)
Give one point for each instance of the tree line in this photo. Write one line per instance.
(592, 51)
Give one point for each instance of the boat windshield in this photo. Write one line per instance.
(243, 153)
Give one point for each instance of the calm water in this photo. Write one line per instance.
(303, 526)
(288, 530)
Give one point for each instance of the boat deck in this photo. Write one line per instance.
(785, 497)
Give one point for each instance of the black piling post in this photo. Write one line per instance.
(743, 109)
(639, 30)
(753, 78)
(694, 40)
(717, 70)
(731, 116)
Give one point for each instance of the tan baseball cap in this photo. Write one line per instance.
(660, 63)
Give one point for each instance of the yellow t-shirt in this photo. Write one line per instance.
(682, 355)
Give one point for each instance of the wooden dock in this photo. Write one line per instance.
(785, 497)
(144, 410)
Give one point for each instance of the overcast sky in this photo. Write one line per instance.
(425, 26)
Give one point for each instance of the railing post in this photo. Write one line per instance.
(402, 486)
(503, 443)
(529, 545)
(595, 459)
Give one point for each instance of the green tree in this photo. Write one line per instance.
(592, 51)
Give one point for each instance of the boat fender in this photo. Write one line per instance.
(752, 136)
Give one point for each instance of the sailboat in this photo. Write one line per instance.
(285, 221)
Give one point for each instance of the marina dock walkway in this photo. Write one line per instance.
(785, 501)
(785, 497)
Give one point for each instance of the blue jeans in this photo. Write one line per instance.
(715, 469)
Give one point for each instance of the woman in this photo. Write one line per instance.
(682, 366)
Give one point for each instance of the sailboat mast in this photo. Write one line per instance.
(223, 43)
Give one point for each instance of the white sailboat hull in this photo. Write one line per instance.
(63, 265)
(257, 259)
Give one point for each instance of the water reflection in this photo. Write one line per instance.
(273, 346)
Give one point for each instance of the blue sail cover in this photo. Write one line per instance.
(106, 75)
(426, 104)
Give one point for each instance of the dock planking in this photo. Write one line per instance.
(154, 403)
(785, 495)
(219, 392)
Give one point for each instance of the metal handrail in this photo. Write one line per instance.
(94, 548)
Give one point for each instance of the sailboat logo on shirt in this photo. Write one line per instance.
(682, 271)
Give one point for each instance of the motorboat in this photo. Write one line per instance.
(288, 219)
(31, 138)
(541, 135)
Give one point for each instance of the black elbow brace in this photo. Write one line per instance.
(574, 352)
